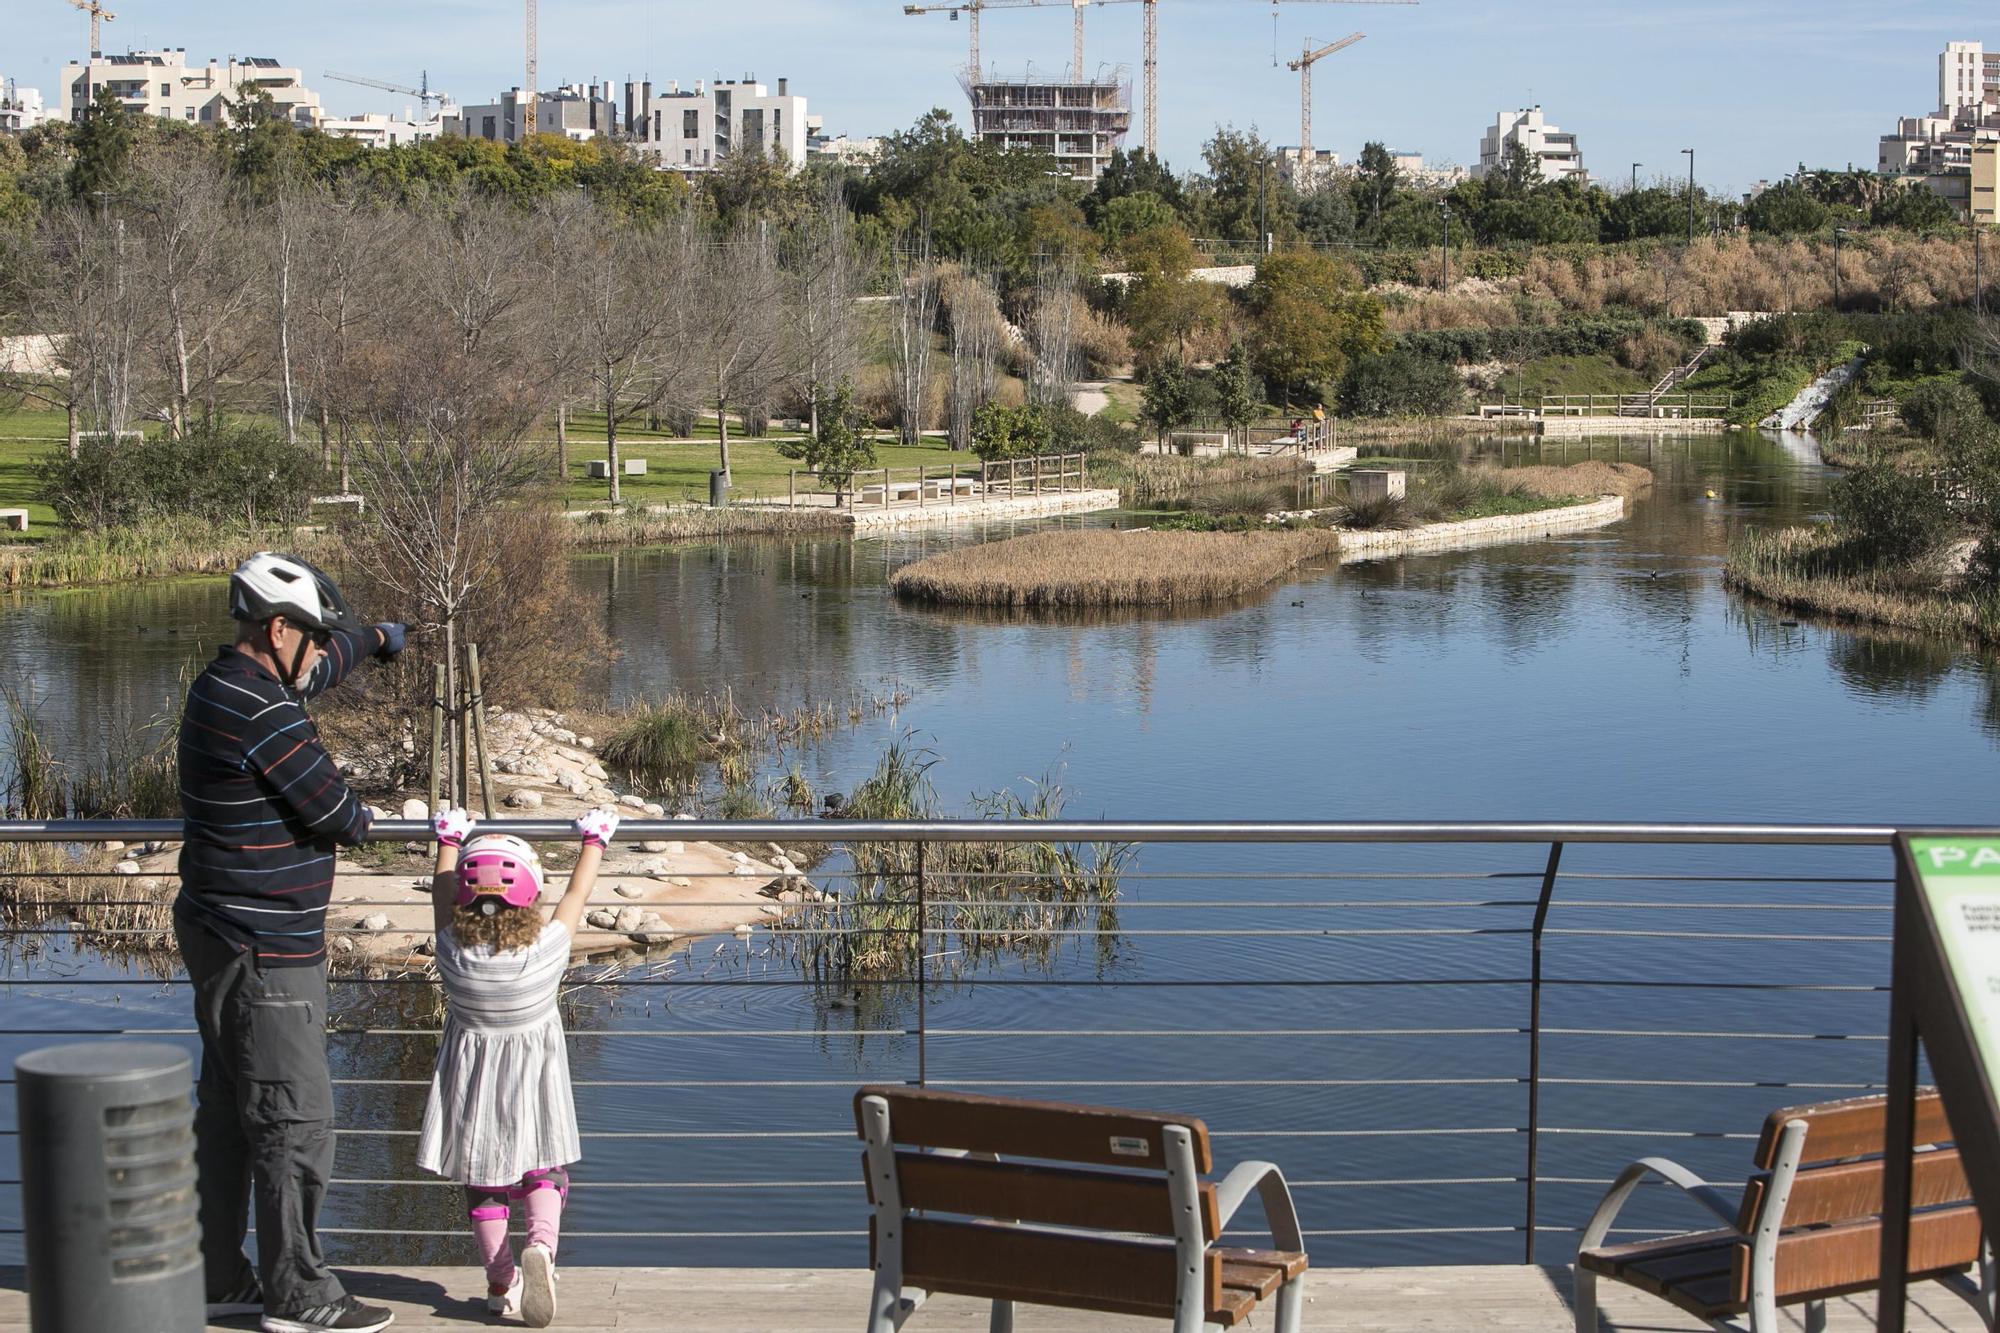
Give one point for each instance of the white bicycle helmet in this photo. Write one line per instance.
(269, 584)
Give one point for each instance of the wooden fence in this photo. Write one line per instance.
(947, 484)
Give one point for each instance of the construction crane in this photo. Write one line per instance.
(1303, 66)
(527, 125)
(1150, 59)
(423, 94)
(971, 9)
(98, 15)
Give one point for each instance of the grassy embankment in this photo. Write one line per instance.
(1813, 570)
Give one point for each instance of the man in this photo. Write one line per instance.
(265, 809)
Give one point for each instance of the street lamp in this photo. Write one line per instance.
(1690, 158)
(1635, 176)
(1444, 237)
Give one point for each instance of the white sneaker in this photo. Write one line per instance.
(506, 1304)
(538, 1295)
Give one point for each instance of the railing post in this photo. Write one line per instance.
(1535, 1039)
(922, 973)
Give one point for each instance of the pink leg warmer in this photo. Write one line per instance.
(542, 1194)
(486, 1206)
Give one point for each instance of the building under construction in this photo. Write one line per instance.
(1077, 124)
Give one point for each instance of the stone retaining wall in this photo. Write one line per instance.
(981, 511)
(1494, 531)
(1559, 428)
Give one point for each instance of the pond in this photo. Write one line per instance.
(1593, 676)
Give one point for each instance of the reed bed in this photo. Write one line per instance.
(959, 905)
(661, 745)
(1143, 478)
(1810, 569)
(1094, 568)
(1591, 478)
(164, 549)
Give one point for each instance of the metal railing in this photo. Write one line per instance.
(1293, 895)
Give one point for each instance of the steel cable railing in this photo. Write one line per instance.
(1274, 922)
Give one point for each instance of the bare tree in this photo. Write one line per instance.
(192, 260)
(825, 279)
(345, 292)
(1053, 323)
(559, 219)
(978, 331)
(69, 280)
(625, 295)
(737, 337)
(911, 337)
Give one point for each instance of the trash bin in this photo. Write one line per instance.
(108, 1189)
(718, 488)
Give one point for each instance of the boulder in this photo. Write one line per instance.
(632, 802)
(654, 810)
(654, 846)
(375, 921)
(684, 815)
(628, 920)
(740, 858)
(743, 870)
(627, 890)
(653, 930)
(743, 929)
(126, 868)
(114, 846)
(523, 799)
(414, 808)
(586, 742)
(342, 944)
(777, 851)
(681, 882)
(602, 917)
(595, 770)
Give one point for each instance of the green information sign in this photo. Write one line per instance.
(1960, 880)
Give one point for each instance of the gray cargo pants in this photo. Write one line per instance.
(263, 1119)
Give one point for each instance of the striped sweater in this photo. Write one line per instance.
(264, 805)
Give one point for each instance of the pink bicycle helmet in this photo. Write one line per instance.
(498, 869)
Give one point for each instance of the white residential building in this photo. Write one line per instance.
(1554, 152)
(162, 83)
(682, 130)
(1303, 175)
(1425, 176)
(1947, 146)
(1968, 77)
(378, 129)
(20, 108)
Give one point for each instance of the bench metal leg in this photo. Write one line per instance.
(1584, 1303)
(1291, 1302)
(1815, 1317)
(1003, 1317)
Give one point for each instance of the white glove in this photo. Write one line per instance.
(597, 826)
(452, 826)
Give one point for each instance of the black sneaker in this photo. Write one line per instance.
(246, 1299)
(345, 1315)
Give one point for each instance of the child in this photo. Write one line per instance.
(500, 1117)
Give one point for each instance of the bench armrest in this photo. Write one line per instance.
(1269, 1182)
(1703, 1193)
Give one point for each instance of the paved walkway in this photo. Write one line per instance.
(759, 1300)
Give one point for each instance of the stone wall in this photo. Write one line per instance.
(940, 512)
(1381, 543)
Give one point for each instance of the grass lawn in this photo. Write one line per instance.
(678, 470)
(1597, 373)
(1124, 405)
(17, 466)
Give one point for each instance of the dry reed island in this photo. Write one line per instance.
(1197, 557)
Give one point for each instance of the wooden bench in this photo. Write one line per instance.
(1109, 1212)
(1808, 1226)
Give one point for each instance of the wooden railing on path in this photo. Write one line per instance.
(947, 484)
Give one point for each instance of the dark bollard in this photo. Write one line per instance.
(107, 1189)
(718, 488)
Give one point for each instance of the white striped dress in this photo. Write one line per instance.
(500, 1103)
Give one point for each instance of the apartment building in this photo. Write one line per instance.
(162, 83)
(1949, 147)
(685, 130)
(1554, 152)
(1078, 124)
(20, 108)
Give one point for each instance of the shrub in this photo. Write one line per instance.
(1000, 433)
(1400, 383)
(1890, 516)
(1934, 408)
(234, 476)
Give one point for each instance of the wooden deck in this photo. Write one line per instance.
(757, 1300)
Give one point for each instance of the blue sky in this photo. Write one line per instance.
(1755, 86)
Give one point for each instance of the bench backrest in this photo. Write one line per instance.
(1088, 1169)
(1838, 1191)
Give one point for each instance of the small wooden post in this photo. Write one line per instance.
(479, 728)
(437, 734)
(791, 488)
(464, 800)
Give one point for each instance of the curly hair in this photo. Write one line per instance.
(508, 928)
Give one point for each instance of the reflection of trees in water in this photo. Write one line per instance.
(1890, 667)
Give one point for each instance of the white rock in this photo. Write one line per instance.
(149, 885)
(684, 815)
(375, 921)
(586, 742)
(743, 929)
(743, 870)
(655, 809)
(127, 867)
(595, 770)
(652, 865)
(681, 882)
(632, 802)
(785, 865)
(653, 846)
(525, 799)
(676, 849)
(114, 846)
(777, 851)
(603, 918)
(416, 809)
(740, 858)
(376, 812)
(627, 890)
(629, 919)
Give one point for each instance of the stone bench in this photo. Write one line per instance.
(17, 519)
